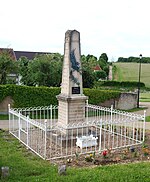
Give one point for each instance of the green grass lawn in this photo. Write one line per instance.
(25, 166)
(4, 117)
(147, 119)
(130, 71)
(145, 97)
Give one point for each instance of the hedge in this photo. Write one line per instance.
(25, 96)
(121, 84)
(97, 96)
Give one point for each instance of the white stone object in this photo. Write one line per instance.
(86, 141)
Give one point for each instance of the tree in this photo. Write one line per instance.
(102, 63)
(24, 71)
(88, 63)
(91, 60)
(106, 69)
(100, 75)
(45, 70)
(88, 77)
(7, 65)
(104, 56)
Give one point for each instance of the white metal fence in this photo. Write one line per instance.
(38, 129)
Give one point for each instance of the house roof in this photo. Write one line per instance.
(30, 55)
(97, 68)
(17, 54)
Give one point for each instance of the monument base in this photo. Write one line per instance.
(71, 109)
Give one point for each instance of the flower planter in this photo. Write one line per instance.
(86, 141)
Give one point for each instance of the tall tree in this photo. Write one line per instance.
(24, 71)
(7, 65)
(88, 63)
(100, 75)
(104, 56)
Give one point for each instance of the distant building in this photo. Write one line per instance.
(28, 54)
(18, 54)
(15, 55)
(10, 51)
(97, 68)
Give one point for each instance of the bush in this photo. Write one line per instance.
(28, 96)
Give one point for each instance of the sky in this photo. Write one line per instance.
(119, 28)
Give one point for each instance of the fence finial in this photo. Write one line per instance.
(8, 106)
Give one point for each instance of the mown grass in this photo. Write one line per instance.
(136, 109)
(4, 117)
(25, 166)
(130, 72)
(145, 97)
(147, 119)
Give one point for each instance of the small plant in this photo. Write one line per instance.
(146, 151)
(123, 157)
(144, 145)
(94, 154)
(89, 158)
(104, 154)
(125, 154)
(94, 157)
(135, 154)
(77, 157)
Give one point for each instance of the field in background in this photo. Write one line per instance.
(130, 72)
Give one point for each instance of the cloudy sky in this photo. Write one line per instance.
(119, 28)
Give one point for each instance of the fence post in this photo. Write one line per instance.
(144, 126)
(51, 115)
(27, 130)
(45, 138)
(100, 136)
(19, 125)
(111, 116)
(87, 114)
(9, 116)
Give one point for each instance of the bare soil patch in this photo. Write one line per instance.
(127, 155)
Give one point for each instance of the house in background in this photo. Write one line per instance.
(12, 76)
(28, 54)
(10, 52)
(15, 55)
(97, 68)
(18, 54)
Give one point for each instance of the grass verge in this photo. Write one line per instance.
(147, 119)
(25, 166)
(4, 117)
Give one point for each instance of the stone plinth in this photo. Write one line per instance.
(71, 109)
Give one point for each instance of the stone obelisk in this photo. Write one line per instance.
(71, 99)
